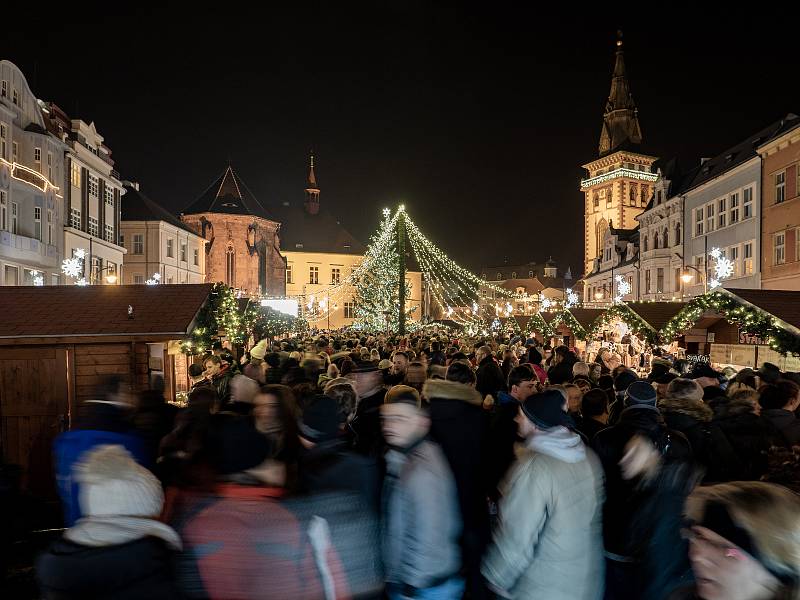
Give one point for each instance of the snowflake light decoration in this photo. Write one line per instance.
(623, 288)
(572, 299)
(723, 268)
(545, 303)
(72, 267)
(37, 278)
(80, 253)
(154, 280)
(82, 282)
(475, 307)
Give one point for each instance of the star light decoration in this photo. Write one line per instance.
(623, 288)
(572, 299)
(154, 280)
(723, 268)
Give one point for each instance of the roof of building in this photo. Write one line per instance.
(656, 314)
(228, 194)
(735, 155)
(789, 123)
(136, 206)
(52, 314)
(302, 231)
(781, 304)
(586, 316)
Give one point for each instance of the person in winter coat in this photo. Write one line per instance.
(106, 419)
(624, 497)
(594, 408)
(421, 520)
(220, 376)
(620, 386)
(560, 371)
(366, 426)
(535, 360)
(743, 543)
(779, 401)
(683, 410)
(741, 439)
(490, 377)
(117, 550)
(549, 541)
(460, 426)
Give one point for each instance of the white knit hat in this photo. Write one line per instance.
(113, 484)
(259, 350)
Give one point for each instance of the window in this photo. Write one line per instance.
(196, 257)
(108, 192)
(122, 240)
(230, 266)
(14, 151)
(3, 140)
(645, 193)
(50, 166)
(779, 248)
(658, 197)
(678, 280)
(170, 280)
(733, 201)
(336, 275)
(349, 310)
(15, 97)
(96, 266)
(183, 252)
(14, 217)
(710, 217)
(747, 202)
(11, 273)
(50, 227)
(700, 265)
(698, 221)
(170, 249)
(646, 281)
(75, 218)
(108, 234)
(596, 201)
(289, 274)
(4, 89)
(513, 275)
(748, 259)
(37, 156)
(138, 243)
(76, 175)
(722, 213)
(94, 227)
(313, 275)
(3, 211)
(660, 281)
(632, 193)
(138, 279)
(111, 268)
(656, 241)
(644, 244)
(94, 185)
(735, 258)
(37, 222)
(499, 276)
(677, 234)
(780, 187)
(530, 274)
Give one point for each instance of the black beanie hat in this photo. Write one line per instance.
(236, 445)
(320, 421)
(546, 410)
(534, 356)
(623, 380)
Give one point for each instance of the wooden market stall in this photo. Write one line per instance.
(58, 342)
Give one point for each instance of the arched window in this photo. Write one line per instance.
(677, 233)
(602, 227)
(514, 275)
(499, 276)
(230, 266)
(644, 244)
(665, 238)
(656, 241)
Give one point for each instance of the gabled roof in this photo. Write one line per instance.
(57, 314)
(302, 231)
(586, 316)
(228, 194)
(735, 155)
(781, 304)
(136, 206)
(656, 314)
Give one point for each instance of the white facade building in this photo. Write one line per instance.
(158, 242)
(31, 187)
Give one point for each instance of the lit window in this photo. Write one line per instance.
(336, 275)
(3, 140)
(349, 310)
(76, 175)
(3, 211)
(108, 234)
(288, 273)
(14, 217)
(138, 279)
(748, 258)
(108, 192)
(710, 218)
(313, 275)
(37, 155)
(722, 213)
(779, 248)
(170, 249)
(183, 252)
(196, 257)
(698, 220)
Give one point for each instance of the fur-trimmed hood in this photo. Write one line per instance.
(696, 409)
(451, 390)
(725, 408)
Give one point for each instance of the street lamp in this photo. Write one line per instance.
(687, 277)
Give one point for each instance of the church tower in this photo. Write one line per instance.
(312, 191)
(619, 182)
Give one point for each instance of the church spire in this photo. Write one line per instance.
(312, 191)
(621, 118)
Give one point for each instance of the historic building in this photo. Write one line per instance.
(780, 207)
(31, 186)
(320, 256)
(243, 248)
(158, 242)
(530, 282)
(617, 189)
(92, 199)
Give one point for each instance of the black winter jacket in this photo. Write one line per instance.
(490, 378)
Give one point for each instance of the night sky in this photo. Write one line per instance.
(477, 119)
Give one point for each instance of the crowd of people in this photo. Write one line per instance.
(352, 466)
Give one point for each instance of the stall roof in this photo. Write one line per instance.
(656, 314)
(781, 304)
(586, 316)
(548, 316)
(62, 314)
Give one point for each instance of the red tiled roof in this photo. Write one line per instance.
(656, 314)
(782, 304)
(99, 310)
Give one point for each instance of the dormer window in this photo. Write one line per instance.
(299, 246)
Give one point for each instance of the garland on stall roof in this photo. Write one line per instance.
(537, 324)
(751, 320)
(570, 321)
(628, 316)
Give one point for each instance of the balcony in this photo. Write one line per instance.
(29, 176)
(617, 173)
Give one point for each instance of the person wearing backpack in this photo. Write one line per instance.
(626, 497)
